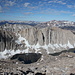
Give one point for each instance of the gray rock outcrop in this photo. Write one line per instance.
(23, 37)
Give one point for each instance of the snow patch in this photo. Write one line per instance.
(56, 45)
(42, 58)
(60, 45)
(20, 39)
(69, 45)
(64, 46)
(38, 46)
(52, 46)
(7, 53)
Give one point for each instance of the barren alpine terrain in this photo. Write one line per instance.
(37, 48)
(62, 64)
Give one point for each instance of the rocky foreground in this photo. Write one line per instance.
(63, 64)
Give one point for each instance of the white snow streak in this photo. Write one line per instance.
(69, 45)
(37, 46)
(7, 53)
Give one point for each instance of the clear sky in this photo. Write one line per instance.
(37, 10)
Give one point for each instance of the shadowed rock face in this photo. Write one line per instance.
(27, 58)
(7, 40)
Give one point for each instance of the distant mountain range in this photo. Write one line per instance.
(68, 25)
(32, 23)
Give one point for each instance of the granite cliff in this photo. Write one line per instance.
(24, 38)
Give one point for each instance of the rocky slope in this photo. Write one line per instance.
(24, 38)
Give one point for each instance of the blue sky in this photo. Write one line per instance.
(37, 10)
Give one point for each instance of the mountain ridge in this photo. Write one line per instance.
(18, 38)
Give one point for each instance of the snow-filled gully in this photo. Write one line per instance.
(7, 53)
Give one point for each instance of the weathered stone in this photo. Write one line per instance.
(52, 39)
